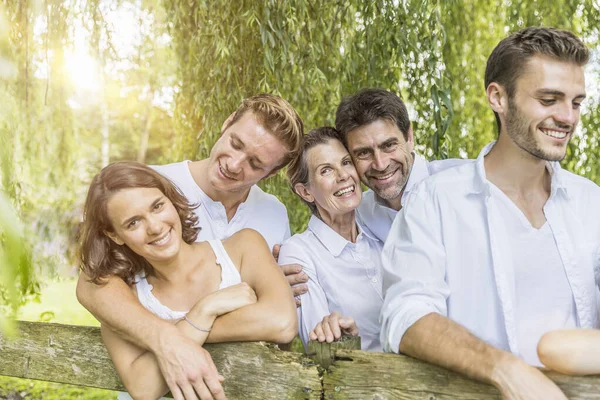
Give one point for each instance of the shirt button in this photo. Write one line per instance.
(374, 280)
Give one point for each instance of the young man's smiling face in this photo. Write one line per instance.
(382, 157)
(544, 111)
(245, 153)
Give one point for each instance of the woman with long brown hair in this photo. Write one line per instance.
(139, 227)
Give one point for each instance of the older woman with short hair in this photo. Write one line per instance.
(341, 258)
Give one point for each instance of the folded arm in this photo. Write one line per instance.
(139, 369)
(175, 351)
(273, 316)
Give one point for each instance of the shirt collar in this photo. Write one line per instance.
(333, 241)
(216, 206)
(481, 185)
(418, 172)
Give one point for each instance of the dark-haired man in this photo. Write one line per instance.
(486, 257)
(378, 134)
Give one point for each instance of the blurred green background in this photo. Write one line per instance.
(85, 83)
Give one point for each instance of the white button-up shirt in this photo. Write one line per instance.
(373, 211)
(448, 253)
(342, 276)
(261, 211)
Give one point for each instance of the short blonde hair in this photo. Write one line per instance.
(278, 117)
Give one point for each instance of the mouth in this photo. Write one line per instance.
(383, 177)
(345, 191)
(162, 240)
(225, 174)
(556, 134)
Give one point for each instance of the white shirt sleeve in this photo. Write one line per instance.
(597, 267)
(287, 233)
(314, 303)
(414, 268)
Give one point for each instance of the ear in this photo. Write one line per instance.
(114, 238)
(304, 192)
(497, 98)
(411, 139)
(227, 122)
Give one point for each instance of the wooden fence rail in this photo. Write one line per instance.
(76, 355)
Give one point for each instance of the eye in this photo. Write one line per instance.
(235, 145)
(158, 206)
(325, 170)
(576, 105)
(547, 102)
(254, 166)
(133, 223)
(347, 162)
(362, 154)
(390, 146)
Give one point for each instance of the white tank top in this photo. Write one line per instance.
(229, 276)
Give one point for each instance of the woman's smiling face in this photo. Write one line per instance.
(333, 183)
(146, 221)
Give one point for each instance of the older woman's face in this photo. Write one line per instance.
(332, 181)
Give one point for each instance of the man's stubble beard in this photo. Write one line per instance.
(398, 187)
(518, 130)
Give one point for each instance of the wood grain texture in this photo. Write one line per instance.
(76, 355)
(323, 354)
(361, 375)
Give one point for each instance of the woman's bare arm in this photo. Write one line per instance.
(139, 369)
(141, 375)
(273, 318)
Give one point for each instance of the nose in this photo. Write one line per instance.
(153, 225)
(234, 164)
(379, 161)
(342, 175)
(567, 115)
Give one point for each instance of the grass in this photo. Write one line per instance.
(57, 304)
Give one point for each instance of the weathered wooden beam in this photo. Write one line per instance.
(361, 375)
(76, 355)
(323, 354)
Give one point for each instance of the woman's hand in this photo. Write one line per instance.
(225, 300)
(332, 327)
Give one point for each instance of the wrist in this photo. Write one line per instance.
(202, 311)
(196, 327)
(164, 338)
(505, 367)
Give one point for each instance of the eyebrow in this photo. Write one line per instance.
(254, 158)
(389, 141)
(359, 149)
(323, 165)
(551, 92)
(128, 220)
